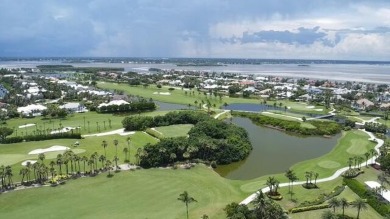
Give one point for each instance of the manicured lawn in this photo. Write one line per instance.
(174, 130)
(386, 122)
(290, 117)
(350, 211)
(353, 143)
(14, 154)
(177, 96)
(300, 107)
(149, 193)
(93, 120)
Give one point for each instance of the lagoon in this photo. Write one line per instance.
(274, 151)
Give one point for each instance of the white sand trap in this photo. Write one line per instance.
(24, 163)
(27, 125)
(127, 166)
(319, 109)
(118, 131)
(310, 107)
(50, 149)
(162, 93)
(63, 130)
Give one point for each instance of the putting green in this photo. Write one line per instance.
(9, 159)
(329, 164)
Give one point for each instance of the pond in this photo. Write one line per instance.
(171, 106)
(274, 151)
(251, 107)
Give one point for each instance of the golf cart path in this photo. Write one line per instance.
(334, 176)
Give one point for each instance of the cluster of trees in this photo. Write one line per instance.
(137, 123)
(263, 208)
(375, 127)
(54, 111)
(139, 106)
(322, 127)
(209, 139)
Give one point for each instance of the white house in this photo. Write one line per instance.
(74, 107)
(33, 109)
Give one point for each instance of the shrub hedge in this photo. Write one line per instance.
(360, 189)
(17, 139)
(309, 208)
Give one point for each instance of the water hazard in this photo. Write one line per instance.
(274, 151)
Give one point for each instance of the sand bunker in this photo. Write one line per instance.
(24, 163)
(118, 131)
(162, 93)
(63, 130)
(27, 125)
(50, 149)
(319, 109)
(310, 107)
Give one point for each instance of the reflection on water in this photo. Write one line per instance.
(274, 151)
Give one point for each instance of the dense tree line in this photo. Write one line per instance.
(40, 137)
(322, 127)
(136, 123)
(139, 106)
(209, 139)
(375, 127)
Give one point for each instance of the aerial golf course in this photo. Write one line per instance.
(153, 193)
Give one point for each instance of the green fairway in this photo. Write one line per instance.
(353, 143)
(89, 122)
(14, 154)
(174, 130)
(132, 194)
(179, 96)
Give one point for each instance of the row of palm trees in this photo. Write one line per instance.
(357, 160)
(334, 203)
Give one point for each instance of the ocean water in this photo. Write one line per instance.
(361, 72)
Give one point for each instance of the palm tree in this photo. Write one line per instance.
(59, 162)
(116, 159)
(128, 139)
(360, 161)
(328, 215)
(109, 167)
(360, 204)
(125, 151)
(316, 175)
(84, 159)
(350, 162)
(367, 155)
(334, 203)
(104, 144)
(344, 204)
(116, 147)
(23, 173)
(41, 157)
(186, 199)
(8, 174)
(102, 158)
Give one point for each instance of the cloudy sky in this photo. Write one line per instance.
(309, 29)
